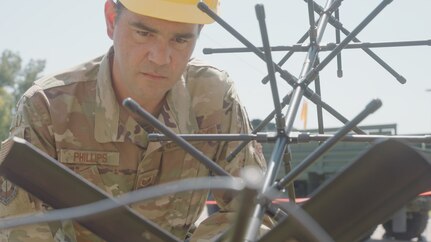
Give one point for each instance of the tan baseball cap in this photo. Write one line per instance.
(185, 11)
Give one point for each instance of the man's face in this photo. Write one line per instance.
(150, 54)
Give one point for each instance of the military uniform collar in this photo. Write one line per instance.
(176, 111)
(107, 110)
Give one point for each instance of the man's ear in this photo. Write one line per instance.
(110, 15)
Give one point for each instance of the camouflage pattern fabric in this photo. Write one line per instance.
(74, 117)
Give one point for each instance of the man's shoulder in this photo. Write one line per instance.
(202, 72)
(81, 73)
(199, 63)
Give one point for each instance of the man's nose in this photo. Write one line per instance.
(160, 53)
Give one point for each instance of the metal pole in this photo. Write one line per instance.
(338, 40)
(429, 90)
(292, 138)
(281, 143)
(326, 47)
(291, 80)
(338, 25)
(260, 14)
(264, 122)
(304, 138)
(352, 35)
(310, 159)
(362, 45)
(135, 108)
(285, 74)
(261, 137)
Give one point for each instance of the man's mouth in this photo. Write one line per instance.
(153, 75)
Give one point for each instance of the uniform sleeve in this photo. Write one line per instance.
(31, 122)
(234, 121)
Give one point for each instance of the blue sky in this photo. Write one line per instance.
(66, 33)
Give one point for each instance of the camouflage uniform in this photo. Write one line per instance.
(74, 117)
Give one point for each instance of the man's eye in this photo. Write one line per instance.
(143, 33)
(180, 43)
(180, 40)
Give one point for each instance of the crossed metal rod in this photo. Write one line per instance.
(311, 68)
(293, 137)
(325, 47)
(252, 215)
(334, 21)
(308, 74)
(293, 81)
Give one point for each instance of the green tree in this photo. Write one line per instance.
(14, 81)
(5, 113)
(27, 76)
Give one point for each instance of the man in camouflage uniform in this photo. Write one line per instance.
(76, 117)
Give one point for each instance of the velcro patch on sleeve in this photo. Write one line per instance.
(8, 191)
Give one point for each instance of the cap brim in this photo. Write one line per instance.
(172, 11)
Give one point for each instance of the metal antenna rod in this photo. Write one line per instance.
(304, 138)
(339, 26)
(329, 143)
(312, 32)
(261, 137)
(307, 76)
(331, 46)
(291, 80)
(288, 55)
(285, 74)
(313, 41)
(261, 125)
(328, 47)
(282, 141)
(286, 100)
(338, 39)
(136, 108)
(319, 108)
(260, 14)
(353, 34)
(309, 62)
